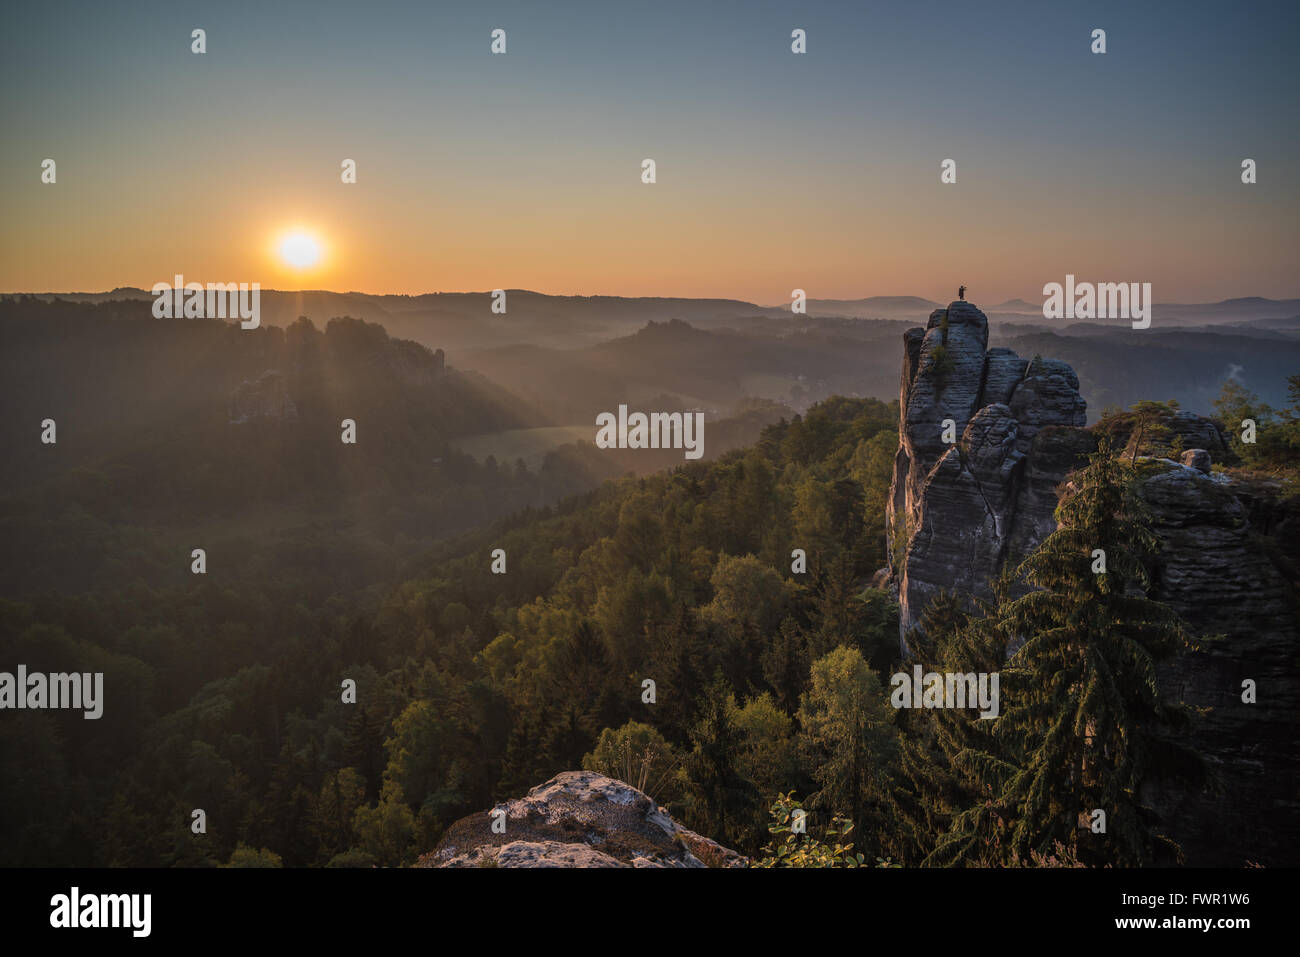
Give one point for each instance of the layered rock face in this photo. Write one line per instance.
(1213, 571)
(960, 509)
(578, 819)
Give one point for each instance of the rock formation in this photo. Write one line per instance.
(1213, 571)
(958, 512)
(985, 437)
(578, 819)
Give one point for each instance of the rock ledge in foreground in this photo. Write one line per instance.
(578, 819)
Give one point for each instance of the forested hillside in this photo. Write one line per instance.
(470, 683)
(173, 435)
(712, 634)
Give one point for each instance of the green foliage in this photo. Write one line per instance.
(932, 785)
(471, 687)
(1277, 433)
(790, 849)
(638, 755)
(768, 754)
(341, 794)
(747, 594)
(941, 363)
(719, 799)
(901, 539)
(1082, 713)
(804, 850)
(419, 749)
(386, 831)
(848, 729)
(352, 859)
(245, 856)
(1150, 427)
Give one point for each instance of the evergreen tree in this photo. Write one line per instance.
(364, 748)
(847, 721)
(341, 794)
(931, 787)
(785, 664)
(1081, 727)
(674, 664)
(719, 800)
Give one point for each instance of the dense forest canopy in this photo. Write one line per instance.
(470, 684)
(742, 588)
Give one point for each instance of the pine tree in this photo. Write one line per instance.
(1082, 713)
(932, 787)
(719, 799)
(364, 748)
(785, 664)
(674, 664)
(848, 725)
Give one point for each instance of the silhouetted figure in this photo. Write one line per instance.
(961, 292)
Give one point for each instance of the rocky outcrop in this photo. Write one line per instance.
(960, 510)
(267, 397)
(985, 436)
(1213, 571)
(578, 819)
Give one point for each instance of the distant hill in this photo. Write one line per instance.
(462, 321)
(1017, 306)
(873, 307)
(1251, 309)
(1227, 311)
(565, 357)
(1118, 367)
(714, 365)
(178, 426)
(457, 321)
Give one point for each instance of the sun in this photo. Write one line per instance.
(300, 250)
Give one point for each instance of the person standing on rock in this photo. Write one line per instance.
(961, 292)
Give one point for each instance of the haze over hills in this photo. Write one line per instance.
(568, 357)
(464, 320)
(1249, 309)
(175, 431)
(872, 307)
(457, 321)
(711, 365)
(1016, 305)
(1119, 366)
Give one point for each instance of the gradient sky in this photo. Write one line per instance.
(775, 171)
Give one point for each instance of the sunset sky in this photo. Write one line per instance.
(775, 170)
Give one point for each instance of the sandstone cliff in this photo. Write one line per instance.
(959, 511)
(985, 436)
(1216, 571)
